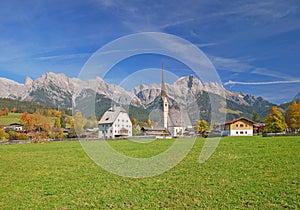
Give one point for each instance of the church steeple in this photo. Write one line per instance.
(164, 99)
(163, 86)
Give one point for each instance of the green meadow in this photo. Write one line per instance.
(243, 173)
(10, 118)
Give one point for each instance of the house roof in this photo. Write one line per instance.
(15, 124)
(239, 119)
(111, 115)
(159, 131)
(145, 128)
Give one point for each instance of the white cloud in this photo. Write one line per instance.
(261, 83)
(63, 57)
(239, 66)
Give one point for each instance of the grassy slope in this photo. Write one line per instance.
(251, 172)
(10, 118)
(15, 118)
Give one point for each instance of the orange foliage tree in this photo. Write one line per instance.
(292, 116)
(28, 121)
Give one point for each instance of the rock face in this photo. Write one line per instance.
(11, 89)
(60, 90)
(28, 81)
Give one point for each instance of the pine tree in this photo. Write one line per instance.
(255, 117)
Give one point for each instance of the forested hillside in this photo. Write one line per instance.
(28, 106)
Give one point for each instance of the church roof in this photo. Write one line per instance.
(178, 118)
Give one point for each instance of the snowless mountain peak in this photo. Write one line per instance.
(28, 81)
(58, 89)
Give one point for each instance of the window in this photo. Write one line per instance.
(236, 125)
(241, 132)
(245, 132)
(237, 132)
(241, 125)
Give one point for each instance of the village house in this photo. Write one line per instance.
(16, 127)
(154, 131)
(239, 127)
(115, 123)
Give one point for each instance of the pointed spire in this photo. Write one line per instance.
(163, 85)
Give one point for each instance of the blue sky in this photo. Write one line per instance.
(254, 45)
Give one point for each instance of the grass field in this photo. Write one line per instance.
(10, 118)
(15, 118)
(244, 172)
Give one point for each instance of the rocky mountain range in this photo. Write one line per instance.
(60, 90)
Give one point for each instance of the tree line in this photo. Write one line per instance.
(27, 106)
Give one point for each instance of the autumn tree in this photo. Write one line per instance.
(6, 111)
(91, 122)
(72, 132)
(28, 121)
(57, 132)
(149, 122)
(79, 123)
(201, 126)
(293, 116)
(63, 120)
(14, 110)
(57, 114)
(42, 122)
(3, 135)
(134, 122)
(275, 122)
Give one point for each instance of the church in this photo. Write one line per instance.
(173, 122)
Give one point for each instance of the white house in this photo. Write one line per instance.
(114, 123)
(16, 127)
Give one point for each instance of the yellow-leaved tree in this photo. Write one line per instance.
(201, 126)
(275, 122)
(79, 122)
(292, 116)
